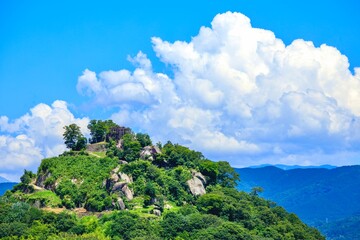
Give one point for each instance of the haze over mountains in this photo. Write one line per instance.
(314, 194)
(2, 179)
(323, 197)
(5, 185)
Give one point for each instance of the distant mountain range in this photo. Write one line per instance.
(321, 196)
(315, 194)
(2, 179)
(4, 186)
(289, 167)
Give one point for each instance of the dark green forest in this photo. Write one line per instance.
(124, 187)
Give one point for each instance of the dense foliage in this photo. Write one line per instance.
(78, 180)
(341, 229)
(221, 214)
(162, 204)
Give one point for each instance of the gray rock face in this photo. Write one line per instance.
(96, 147)
(200, 177)
(157, 212)
(121, 203)
(123, 162)
(149, 152)
(118, 186)
(119, 144)
(196, 184)
(146, 153)
(125, 177)
(156, 150)
(40, 181)
(115, 170)
(114, 177)
(117, 176)
(127, 192)
(118, 182)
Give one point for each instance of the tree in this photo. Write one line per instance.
(106, 131)
(97, 131)
(227, 176)
(256, 190)
(144, 139)
(73, 137)
(131, 148)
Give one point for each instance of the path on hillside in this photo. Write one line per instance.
(94, 154)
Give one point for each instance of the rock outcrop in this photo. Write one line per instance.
(149, 152)
(118, 182)
(157, 212)
(197, 184)
(40, 182)
(125, 177)
(96, 147)
(127, 192)
(121, 203)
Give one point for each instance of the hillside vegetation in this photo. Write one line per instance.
(140, 191)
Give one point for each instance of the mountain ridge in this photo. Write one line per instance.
(290, 167)
(320, 197)
(322, 186)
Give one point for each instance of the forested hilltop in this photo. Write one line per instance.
(122, 186)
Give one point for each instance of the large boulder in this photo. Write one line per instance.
(115, 170)
(123, 188)
(200, 177)
(97, 147)
(114, 175)
(149, 152)
(127, 192)
(40, 181)
(125, 177)
(118, 186)
(157, 212)
(146, 153)
(118, 182)
(120, 203)
(197, 184)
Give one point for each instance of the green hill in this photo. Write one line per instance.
(141, 191)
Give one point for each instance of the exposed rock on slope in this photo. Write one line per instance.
(149, 152)
(118, 182)
(197, 184)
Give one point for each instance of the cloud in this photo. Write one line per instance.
(35, 135)
(240, 93)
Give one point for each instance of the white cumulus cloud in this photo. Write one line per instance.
(239, 93)
(35, 135)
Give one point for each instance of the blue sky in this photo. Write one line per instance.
(46, 47)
